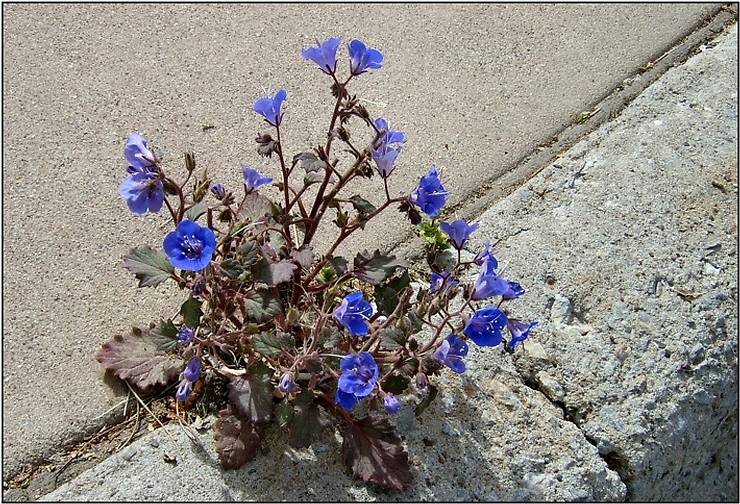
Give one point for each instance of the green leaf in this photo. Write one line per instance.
(376, 268)
(433, 235)
(308, 420)
(237, 439)
(392, 338)
(141, 358)
(151, 267)
(270, 344)
(313, 178)
(396, 384)
(388, 295)
(310, 162)
(196, 211)
(261, 306)
(284, 413)
(374, 452)
(362, 206)
(338, 264)
(251, 394)
(165, 335)
(191, 312)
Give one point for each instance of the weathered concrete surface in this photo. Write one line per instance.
(628, 247)
(475, 87)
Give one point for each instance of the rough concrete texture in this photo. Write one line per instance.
(475, 87)
(628, 389)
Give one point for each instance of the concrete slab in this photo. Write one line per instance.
(475, 88)
(627, 388)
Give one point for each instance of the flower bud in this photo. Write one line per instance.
(185, 335)
(421, 381)
(391, 403)
(192, 370)
(217, 189)
(184, 390)
(293, 316)
(287, 383)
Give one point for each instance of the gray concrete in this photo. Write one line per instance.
(627, 389)
(489, 82)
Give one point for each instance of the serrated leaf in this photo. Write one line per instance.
(362, 206)
(256, 209)
(396, 384)
(304, 256)
(388, 295)
(261, 306)
(237, 439)
(251, 395)
(310, 162)
(308, 420)
(196, 211)
(284, 413)
(191, 312)
(165, 335)
(274, 273)
(392, 338)
(375, 268)
(373, 451)
(338, 264)
(139, 358)
(232, 268)
(151, 267)
(431, 394)
(313, 178)
(270, 344)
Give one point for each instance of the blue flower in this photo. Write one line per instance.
(391, 403)
(451, 353)
(269, 108)
(442, 281)
(359, 375)
(192, 370)
(519, 331)
(325, 55)
(185, 335)
(184, 390)
(287, 383)
(484, 328)
(190, 246)
(385, 157)
(513, 291)
(143, 192)
(253, 178)
(430, 195)
(137, 153)
(486, 258)
(390, 136)
(489, 285)
(354, 313)
(217, 189)
(459, 231)
(363, 58)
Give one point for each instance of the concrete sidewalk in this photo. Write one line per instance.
(78, 78)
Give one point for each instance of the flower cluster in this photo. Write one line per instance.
(297, 334)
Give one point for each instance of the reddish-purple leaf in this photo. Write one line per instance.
(251, 394)
(309, 420)
(373, 451)
(140, 358)
(237, 439)
(376, 268)
(304, 256)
